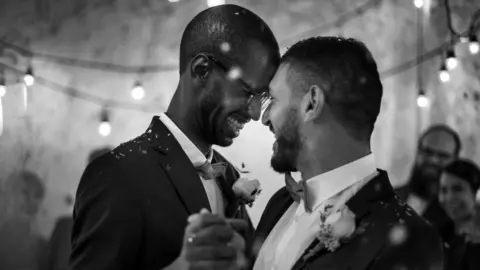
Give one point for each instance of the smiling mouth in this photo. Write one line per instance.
(235, 124)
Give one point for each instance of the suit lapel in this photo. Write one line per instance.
(360, 204)
(178, 167)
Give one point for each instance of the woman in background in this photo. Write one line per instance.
(459, 184)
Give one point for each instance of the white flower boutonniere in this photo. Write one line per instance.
(247, 190)
(336, 228)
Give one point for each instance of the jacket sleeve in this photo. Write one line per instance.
(107, 228)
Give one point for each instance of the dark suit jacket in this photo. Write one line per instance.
(132, 204)
(60, 246)
(395, 236)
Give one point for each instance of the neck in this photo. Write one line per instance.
(329, 152)
(187, 119)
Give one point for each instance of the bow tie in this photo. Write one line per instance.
(298, 191)
(209, 171)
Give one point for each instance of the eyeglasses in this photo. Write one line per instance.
(253, 97)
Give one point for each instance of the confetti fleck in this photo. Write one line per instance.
(235, 73)
(149, 131)
(398, 234)
(225, 47)
(144, 152)
(168, 135)
(168, 167)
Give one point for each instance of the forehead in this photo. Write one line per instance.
(448, 179)
(257, 65)
(439, 140)
(280, 86)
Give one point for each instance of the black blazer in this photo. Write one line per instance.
(132, 204)
(385, 217)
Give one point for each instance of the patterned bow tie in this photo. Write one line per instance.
(210, 171)
(298, 191)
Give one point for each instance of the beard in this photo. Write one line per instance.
(209, 108)
(288, 144)
(425, 181)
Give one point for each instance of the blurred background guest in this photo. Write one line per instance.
(459, 184)
(438, 146)
(60, 247)
(20, 246)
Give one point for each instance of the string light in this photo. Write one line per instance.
(418, 3)
(451, 61)
(422, 100)
(3, 91)
(104, 128)
(473, 45)
(212, 3)
(444, 75)
(173, 1)
(28, 79)
(137, 91)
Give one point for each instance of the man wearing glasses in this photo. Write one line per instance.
(437, 147)
(137, 207)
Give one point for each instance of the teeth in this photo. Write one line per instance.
(236, 125)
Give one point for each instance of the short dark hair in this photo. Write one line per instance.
(224, 24)
(346, 70)
(466, 170)
(446, 129)
(98, 152)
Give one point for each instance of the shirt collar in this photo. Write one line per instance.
(191, 150)
(326, 185)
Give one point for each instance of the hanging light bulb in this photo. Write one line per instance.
(422, 100)
(104, 129)
(3, 91)
(473, 45)
(212, 3)
(418, 3)
(444, 75)
(28, 78)
(137, 91)
(451, 61)
(3, 87)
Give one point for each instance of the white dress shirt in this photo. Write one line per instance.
(214, 194)
(297, 229)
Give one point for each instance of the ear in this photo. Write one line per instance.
(200, 67)
(314, 101)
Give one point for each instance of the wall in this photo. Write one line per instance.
(55, 134)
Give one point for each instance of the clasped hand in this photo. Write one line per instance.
(212, 242)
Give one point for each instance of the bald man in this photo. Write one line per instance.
(132, 204)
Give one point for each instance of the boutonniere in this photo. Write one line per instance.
(246, 190)
(336, 227)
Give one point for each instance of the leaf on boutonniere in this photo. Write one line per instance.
(313, 250)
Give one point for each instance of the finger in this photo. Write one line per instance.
(239, 225)
(211, 253)
(214, 265)
(203, 221)
(215, 234)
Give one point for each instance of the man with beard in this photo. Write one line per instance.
(133, 204)
(325, 99)
(438, 146)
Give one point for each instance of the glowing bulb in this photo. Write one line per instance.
(452, 61)
(138, 92)
(473, 45)
(104, 129)
(173, 1)
(3, 90)
(444, 75)
(28, 78)
(212, 3)
(418, 3)
(422, 101)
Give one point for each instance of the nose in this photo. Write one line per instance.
(266, 116)
(255, 109)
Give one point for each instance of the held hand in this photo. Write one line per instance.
(210, 243)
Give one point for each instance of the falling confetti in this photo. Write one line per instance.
(225, 47)
(235, 73)
(398, 234)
